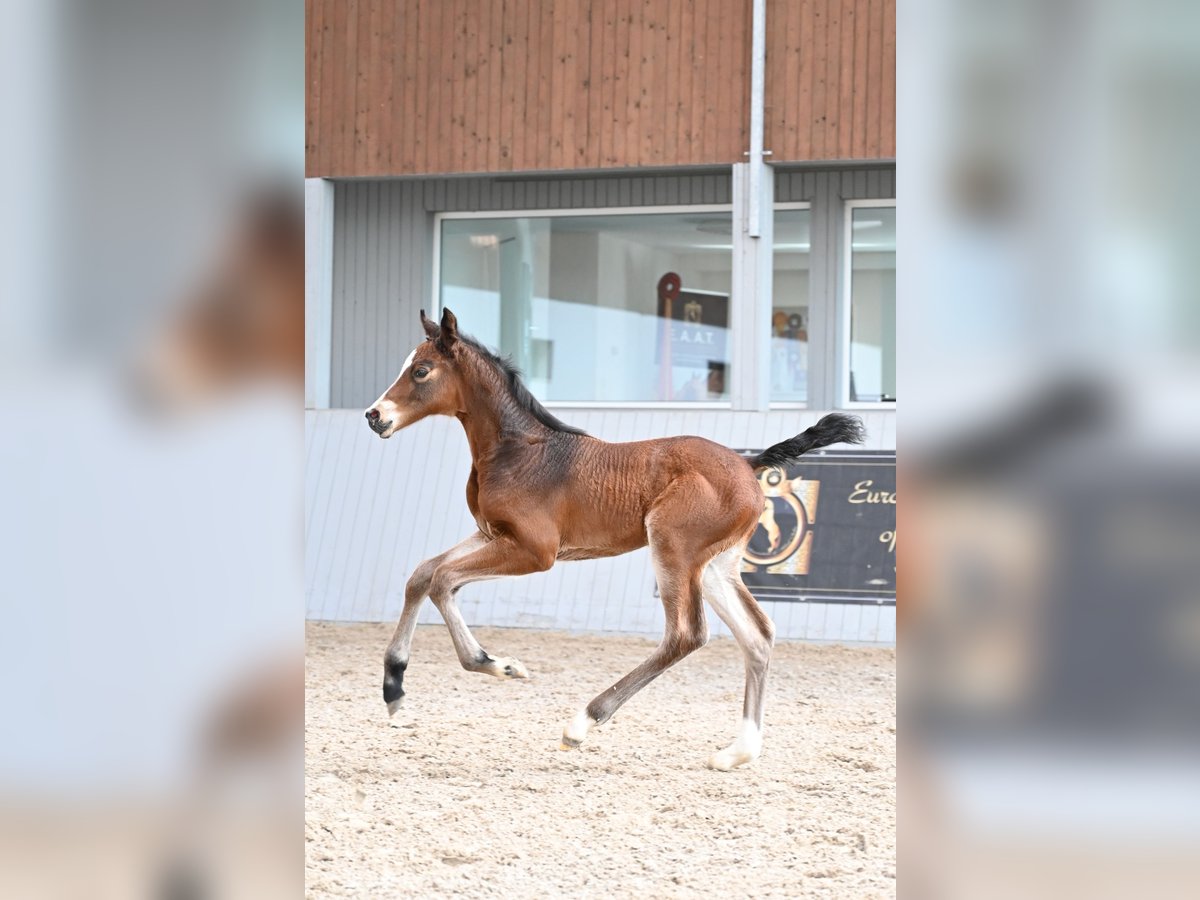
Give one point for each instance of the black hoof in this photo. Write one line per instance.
(393, 683)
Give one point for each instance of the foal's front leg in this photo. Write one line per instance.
(503, 556)
(395, 660)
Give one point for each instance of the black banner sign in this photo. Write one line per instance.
(827, 531)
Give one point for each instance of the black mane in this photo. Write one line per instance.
(516, 387)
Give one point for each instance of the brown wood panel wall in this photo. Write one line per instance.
(830, 80)
(442, 87)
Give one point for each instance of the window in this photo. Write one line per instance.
(585, 306)
(790, 306)
(871, 311)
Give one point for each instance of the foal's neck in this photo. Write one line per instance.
(494, 417)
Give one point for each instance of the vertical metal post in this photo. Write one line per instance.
(750, 313)
(758, 56)
(318, 291)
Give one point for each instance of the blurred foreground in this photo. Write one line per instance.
(1050, 599)
(151, 271)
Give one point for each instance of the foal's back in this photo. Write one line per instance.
(613, 490)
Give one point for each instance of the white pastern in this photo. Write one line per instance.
(744, 750)
(508, 668)
(576, 730)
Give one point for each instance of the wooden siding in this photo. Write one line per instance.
(418, 87)
(830, 80)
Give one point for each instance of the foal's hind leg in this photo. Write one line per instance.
(395, 660)
(678, 574)
(728, 596)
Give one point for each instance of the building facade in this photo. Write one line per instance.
(677, 216)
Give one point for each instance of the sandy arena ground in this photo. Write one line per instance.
(466, 792)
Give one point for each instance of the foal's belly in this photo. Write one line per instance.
(597, 537)
(568, 554)
(598, 546)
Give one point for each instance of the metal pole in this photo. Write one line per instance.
(758, 55)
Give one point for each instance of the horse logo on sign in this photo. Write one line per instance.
(782, 542)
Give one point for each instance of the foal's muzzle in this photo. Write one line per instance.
(376, 421)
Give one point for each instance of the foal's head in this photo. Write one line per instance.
(430, 381)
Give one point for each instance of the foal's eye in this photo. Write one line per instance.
(421, 372)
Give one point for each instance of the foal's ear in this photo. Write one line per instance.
(430, 326)
(449, 330)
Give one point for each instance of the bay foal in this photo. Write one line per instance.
(541, 491)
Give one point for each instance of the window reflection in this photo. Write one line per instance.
(790, 307)
(578, 302)
(872, 376)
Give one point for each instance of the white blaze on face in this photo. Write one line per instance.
(408, 362)
(387, 409)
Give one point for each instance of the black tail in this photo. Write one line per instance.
(835, 428)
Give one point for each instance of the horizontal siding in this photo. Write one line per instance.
(835, 185)
(364, 535)
(444, 87)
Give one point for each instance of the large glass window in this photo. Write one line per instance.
(872, 375)
(614, 308)
(790, 307)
